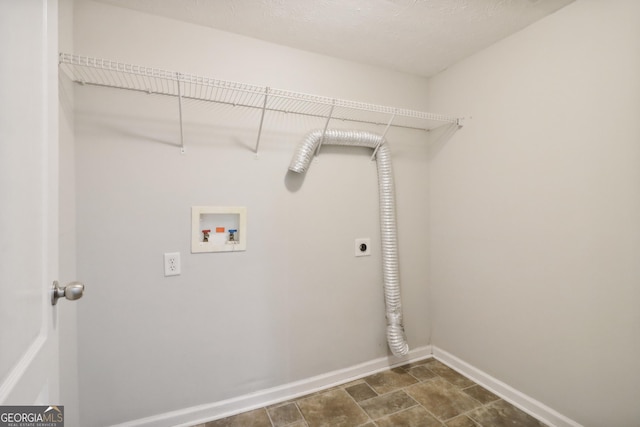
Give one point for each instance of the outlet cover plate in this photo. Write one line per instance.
(172, 264)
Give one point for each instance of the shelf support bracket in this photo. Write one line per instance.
(182, 148)
(264, 108)
(326, 125)
(373, 156)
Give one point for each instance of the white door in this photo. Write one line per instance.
(28, 202)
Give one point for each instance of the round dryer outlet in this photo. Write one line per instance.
(363, 247)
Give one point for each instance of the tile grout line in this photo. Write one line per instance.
(437, 374)
(269, 416)
(358, 404)
(304, 420)
(403, 389)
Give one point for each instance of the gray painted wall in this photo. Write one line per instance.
(297, 303)
(534, 232)
(527, 218)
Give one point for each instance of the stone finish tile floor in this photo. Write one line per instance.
(421, 394)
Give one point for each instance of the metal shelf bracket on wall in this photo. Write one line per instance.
(264, 108)
(384, 134)
(326, 125)
(182, 148)
(90, 71)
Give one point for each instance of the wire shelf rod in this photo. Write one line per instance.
(274, 110)
(152, 73)
(106, 73)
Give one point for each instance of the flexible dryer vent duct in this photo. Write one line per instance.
(300, 162)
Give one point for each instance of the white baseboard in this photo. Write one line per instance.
(208, 412)
(529, 405)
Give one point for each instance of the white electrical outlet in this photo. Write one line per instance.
(363, 247)
(172, 264)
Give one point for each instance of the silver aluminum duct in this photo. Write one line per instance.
(300, 162)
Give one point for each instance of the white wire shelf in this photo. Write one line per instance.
(101, 72)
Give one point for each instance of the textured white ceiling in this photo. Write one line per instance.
(419, 37)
